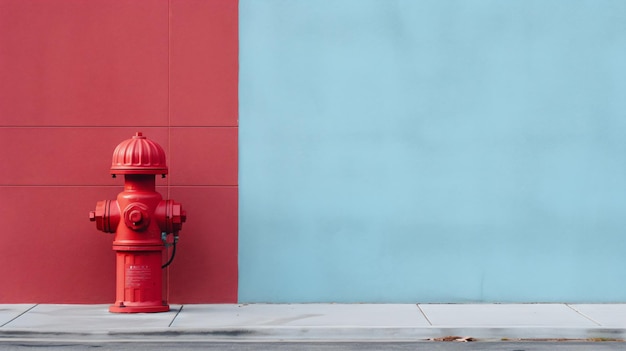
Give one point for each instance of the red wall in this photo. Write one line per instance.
(78, 77)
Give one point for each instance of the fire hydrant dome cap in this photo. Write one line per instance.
(138, 155)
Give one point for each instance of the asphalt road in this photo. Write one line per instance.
(315, 346)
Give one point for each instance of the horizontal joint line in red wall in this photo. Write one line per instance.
(204, 186)
(235, 126)
(56, 186)
(128, 126)
(115, 186)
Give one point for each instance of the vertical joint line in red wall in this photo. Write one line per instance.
(169, 86)
(169, 121)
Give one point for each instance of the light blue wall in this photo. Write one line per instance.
(442, 150)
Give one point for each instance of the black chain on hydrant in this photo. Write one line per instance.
(164, 236)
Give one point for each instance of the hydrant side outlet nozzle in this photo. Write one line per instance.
(106, 216)
(138, 218)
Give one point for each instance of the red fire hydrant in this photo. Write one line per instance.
(141, 221)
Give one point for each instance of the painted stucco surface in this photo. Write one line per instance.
(421, 151)
(76, 79)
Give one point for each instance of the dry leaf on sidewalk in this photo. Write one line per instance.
(453, 338)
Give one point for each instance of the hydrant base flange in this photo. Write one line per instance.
(138, 309)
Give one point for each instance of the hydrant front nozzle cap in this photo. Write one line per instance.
(138, 155)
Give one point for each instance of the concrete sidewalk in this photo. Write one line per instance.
(317, 322)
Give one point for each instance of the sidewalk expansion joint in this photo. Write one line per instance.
(584, 315)
(424, 314)
(19, 315)
(177, 313)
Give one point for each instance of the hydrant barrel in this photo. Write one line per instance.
(141, 221)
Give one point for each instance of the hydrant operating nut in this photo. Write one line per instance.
(136, 216)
